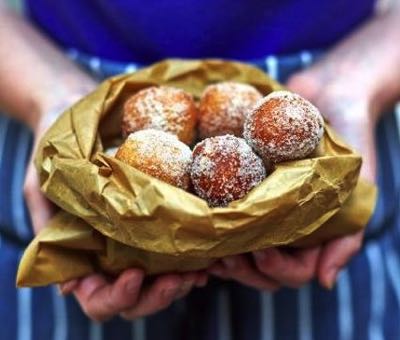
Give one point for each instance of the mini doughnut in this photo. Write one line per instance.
(158, 154)
(162, 108)
(225, 169)
(284, 126)
(223, 108)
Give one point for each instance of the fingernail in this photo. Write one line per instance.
(169, 292)
(65, 288)
(331, 278)
(186, 285)
(229, 262)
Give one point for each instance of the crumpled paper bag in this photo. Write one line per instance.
(114, 216)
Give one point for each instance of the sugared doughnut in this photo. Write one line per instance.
(225, 169)
(223, 108)
(284, 126)
(162, 108)
(159, 154)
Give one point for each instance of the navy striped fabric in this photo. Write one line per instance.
(365, 304)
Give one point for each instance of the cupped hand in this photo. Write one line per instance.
(270, 269)
(102, 297)
(40, 208)
(128, 295)
(348, 108)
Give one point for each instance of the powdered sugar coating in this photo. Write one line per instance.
(284, 126)
(225, 169)
(158, 154)
(162, 108)
(223, 108)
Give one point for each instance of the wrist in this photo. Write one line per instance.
(365, 65)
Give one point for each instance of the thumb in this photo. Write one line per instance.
(40, 208)
(304, 84)
(335, 255)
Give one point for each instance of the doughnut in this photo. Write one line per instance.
(158, 154)
(223, 108)
(162, 108)
(283, 126)
(225, 169)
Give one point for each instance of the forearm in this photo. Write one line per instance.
(35, 77)
(366, 64)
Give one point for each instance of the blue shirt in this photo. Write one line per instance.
(146, 31)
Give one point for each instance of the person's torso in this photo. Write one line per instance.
(146, 31)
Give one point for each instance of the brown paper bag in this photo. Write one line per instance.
(115, 216)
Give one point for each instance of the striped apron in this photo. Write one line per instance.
(365, 303)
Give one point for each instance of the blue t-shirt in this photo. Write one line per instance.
(149, 30)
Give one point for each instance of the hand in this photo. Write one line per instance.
(40, 208)
(128, 295)
(100, 297)
(271, 268)
(349, 108)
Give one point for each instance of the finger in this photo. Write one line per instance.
(40, 208)
(335, 255)
(67, 287)
(159, 295)
(242, 270)
(189, 281)
(219, 270)
(101, 300)
(290, 269)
